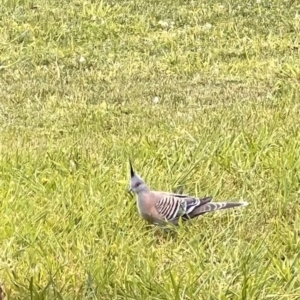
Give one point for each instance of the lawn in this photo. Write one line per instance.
(203, 96)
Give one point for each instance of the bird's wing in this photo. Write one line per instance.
(171, 207)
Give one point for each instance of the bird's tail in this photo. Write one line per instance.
(212, 206)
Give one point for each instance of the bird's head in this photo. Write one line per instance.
(137, 184)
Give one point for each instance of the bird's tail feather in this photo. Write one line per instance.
(213, 206)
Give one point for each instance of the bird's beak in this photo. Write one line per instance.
(131, 169)
(130, 192)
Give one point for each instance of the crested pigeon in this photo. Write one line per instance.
(161, 208)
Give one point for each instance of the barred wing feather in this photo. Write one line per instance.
(171, 207)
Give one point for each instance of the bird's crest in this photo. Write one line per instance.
(131, 169)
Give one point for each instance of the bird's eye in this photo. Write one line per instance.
(137, 184)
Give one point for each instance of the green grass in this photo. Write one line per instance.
(78, 83)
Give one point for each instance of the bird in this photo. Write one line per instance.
(162, 208)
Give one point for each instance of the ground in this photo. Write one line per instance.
(203, 96)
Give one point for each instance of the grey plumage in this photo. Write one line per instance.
(162, 207)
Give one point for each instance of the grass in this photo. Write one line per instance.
(204, 98)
